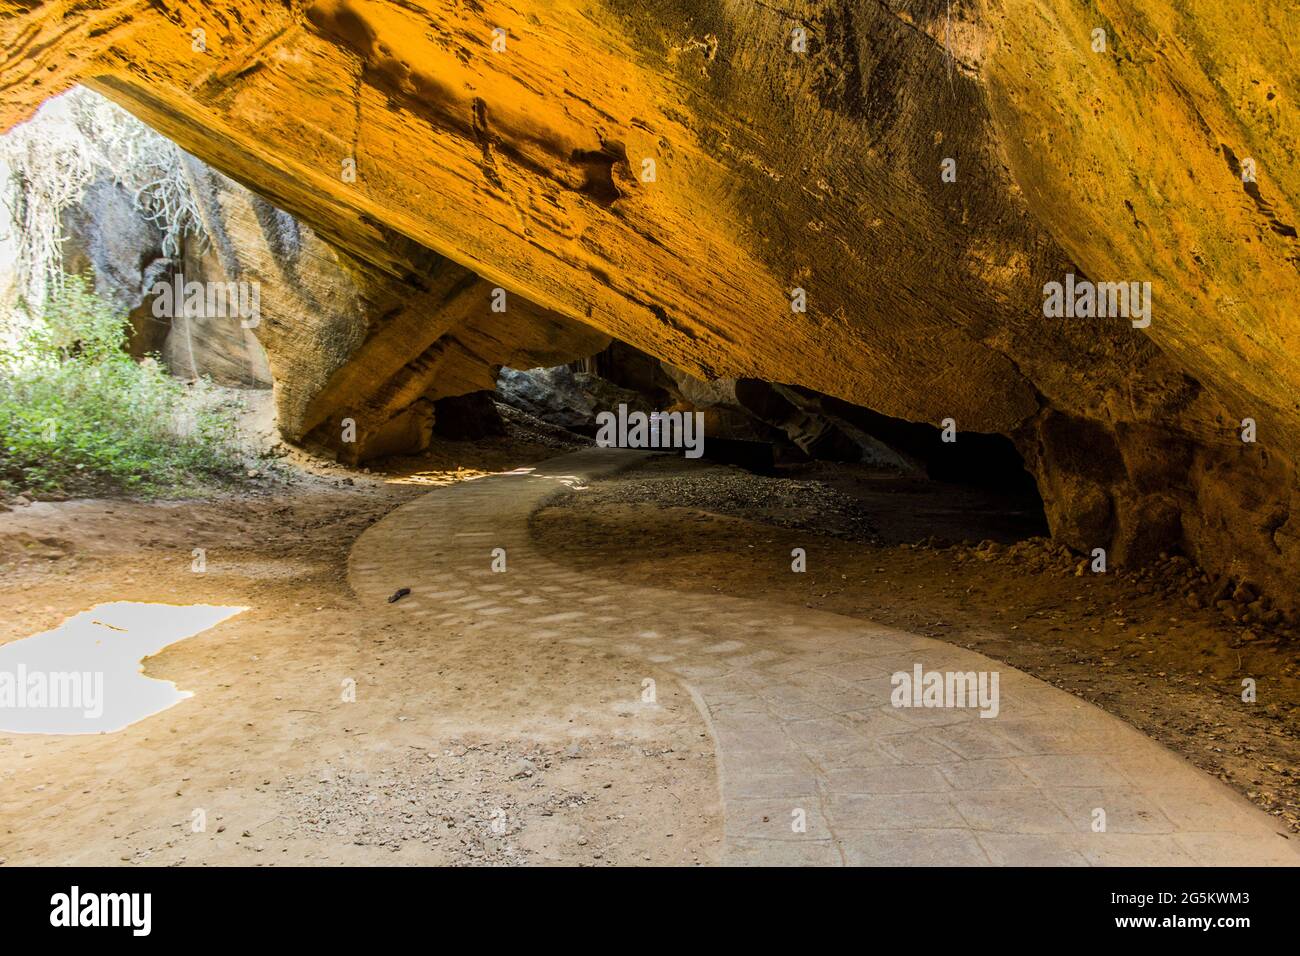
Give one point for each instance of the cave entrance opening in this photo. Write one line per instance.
(907, 481)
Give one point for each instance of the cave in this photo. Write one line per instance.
(983, 313)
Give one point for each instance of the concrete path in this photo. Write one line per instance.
(816, 765)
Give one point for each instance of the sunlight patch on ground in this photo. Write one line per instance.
(472, 474)
(435, 477)
(86, 676)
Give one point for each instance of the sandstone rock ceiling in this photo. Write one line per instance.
(820, 170)
(348, 341)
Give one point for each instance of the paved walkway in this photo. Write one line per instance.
(798, 702)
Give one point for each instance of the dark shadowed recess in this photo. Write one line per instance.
(974, 459)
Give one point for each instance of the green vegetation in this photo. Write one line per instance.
(79, 416)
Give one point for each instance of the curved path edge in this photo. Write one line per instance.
(816, 766)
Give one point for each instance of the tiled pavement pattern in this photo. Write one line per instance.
(798, 702)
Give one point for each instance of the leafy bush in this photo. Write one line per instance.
(78, 415)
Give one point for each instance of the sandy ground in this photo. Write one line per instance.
(891, 551)
(452, 753)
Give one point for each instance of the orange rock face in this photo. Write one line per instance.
(359, 352)
(673, 173)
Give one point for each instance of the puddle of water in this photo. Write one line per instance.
(87, 675)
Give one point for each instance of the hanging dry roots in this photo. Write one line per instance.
(72, 141)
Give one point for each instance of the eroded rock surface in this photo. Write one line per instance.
(775, 170)
(362, 362)
(360, 354)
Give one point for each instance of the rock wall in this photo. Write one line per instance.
(360, 356)
(364, 362)
(121, 251)
(108, 239)
(774, 170)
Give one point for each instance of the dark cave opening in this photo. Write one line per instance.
(948, 486)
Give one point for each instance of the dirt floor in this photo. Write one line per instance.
(1152, 647)
(450, 754)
